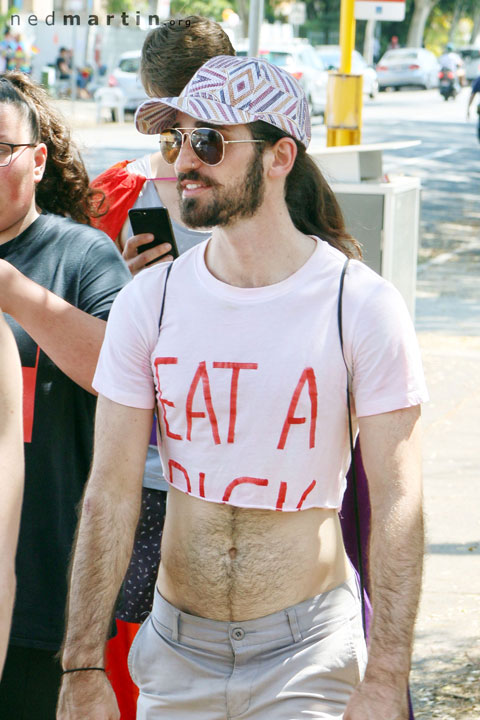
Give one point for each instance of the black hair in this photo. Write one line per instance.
(10, 95)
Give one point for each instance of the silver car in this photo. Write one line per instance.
(300, 60)
(471, 60)
(126, 77)
(330, 56)
(404, 67)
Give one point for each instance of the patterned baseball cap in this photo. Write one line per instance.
(230, 90)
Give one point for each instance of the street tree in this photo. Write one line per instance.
(422, 9)
(476, 25)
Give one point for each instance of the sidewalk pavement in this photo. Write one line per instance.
(446, 666)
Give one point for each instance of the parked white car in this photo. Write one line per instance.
(126, 77)
(471, 58)
(300, 60)
(330, 55)
(403, 67)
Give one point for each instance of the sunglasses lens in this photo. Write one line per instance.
(207, 144)
(170, 144)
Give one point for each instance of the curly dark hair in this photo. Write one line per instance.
(311, 202)
(64, 188)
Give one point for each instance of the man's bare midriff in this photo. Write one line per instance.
(228, 563)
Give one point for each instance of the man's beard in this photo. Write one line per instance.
(240, 199)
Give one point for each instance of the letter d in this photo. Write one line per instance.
(52, 16)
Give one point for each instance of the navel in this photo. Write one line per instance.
(233, 553)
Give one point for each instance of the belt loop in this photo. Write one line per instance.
(175, 624)
(293, 622)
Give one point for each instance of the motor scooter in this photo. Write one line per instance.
(447, 83)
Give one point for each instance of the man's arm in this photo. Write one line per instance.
(104, 542)
(472, 95)
(11, 475)
(70, 337)
(391, 455)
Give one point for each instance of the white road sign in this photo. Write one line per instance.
(380, 9)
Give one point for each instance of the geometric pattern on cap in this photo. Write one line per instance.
(228, 90)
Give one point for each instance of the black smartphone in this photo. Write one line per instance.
(154, 220)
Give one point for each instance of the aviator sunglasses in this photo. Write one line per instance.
(208, 144)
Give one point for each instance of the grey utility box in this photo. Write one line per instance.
(383, 214)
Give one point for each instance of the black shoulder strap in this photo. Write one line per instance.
(160, 318)
(162, 308)
(350, 433)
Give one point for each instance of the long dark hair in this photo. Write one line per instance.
(64, 188)
(310, 200)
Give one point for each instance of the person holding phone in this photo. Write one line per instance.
(171, 54)
(257, 610)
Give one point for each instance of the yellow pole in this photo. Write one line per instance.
(344, 93)
(347, 35)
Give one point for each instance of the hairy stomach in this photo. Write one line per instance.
(230, 563)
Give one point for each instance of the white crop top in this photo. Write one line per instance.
(250, 382)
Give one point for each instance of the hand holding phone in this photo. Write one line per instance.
(141, 252)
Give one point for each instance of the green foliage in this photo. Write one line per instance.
(437, 33)
(208, 8)
(116, 7)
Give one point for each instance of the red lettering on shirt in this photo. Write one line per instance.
(281, 495)
(308, 376)
(29, 388)
(201, 374)
(163, 401)
(305, 493)
(201, 484)
(240, 481)
(235, 367)
(172, 464)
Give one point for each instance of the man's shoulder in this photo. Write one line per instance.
(359, 275)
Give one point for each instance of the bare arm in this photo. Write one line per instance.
(70, 337)
(391, 455)
(11, 475)
(470, 100)
(103, 548)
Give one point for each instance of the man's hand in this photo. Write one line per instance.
(87, 695)
(374, 700)
(137, 261)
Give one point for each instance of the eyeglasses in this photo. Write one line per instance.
(6, 151)
(208, 144)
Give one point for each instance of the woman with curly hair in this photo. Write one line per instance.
(58, 280)
(64, 188)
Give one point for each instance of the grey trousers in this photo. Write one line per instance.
(302, 662)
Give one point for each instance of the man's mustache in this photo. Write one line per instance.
(193, 176)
